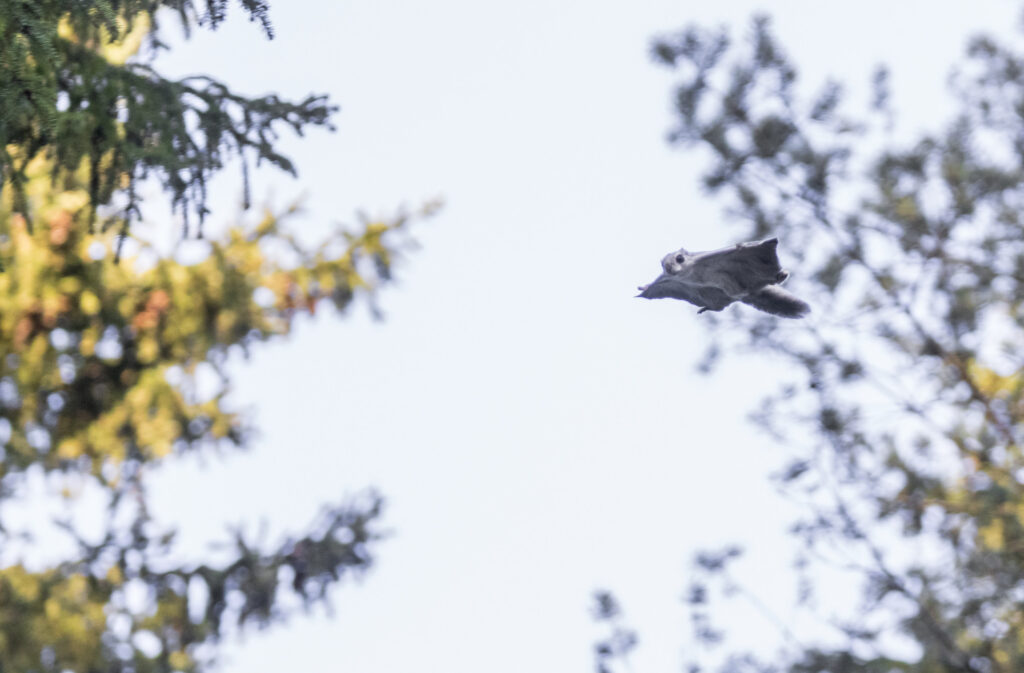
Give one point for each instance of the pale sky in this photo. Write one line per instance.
(537, 432)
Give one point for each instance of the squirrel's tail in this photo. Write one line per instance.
(773, 299)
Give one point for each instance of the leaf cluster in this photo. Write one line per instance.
(69, 94)
(100, 363)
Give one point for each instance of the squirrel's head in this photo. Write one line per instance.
(673, 261)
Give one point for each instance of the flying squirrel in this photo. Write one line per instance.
(746, 272)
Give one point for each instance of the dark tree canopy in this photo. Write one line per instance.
(904, 405)
(69, 93)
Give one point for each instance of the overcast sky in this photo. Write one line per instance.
(537, 432)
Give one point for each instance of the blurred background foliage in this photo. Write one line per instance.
(103, 360)
(904, 399)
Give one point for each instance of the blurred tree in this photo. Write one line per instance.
(98, 368)
(905, 396)
(101, 361)
(616, 646)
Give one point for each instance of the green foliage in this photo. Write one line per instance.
(86, 343)
(905, 402)
(100, 359)
(69, 94)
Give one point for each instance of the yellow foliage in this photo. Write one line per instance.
(89, 302)
(86, 345)
(149, 349)
(114, 576)
(993, 384)
(167, 315)
(100, 409)
(991, 535)
(65, 613)
(20, 583)
(70, 448)
(179, 661)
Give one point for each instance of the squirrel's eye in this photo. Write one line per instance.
(679, 259)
